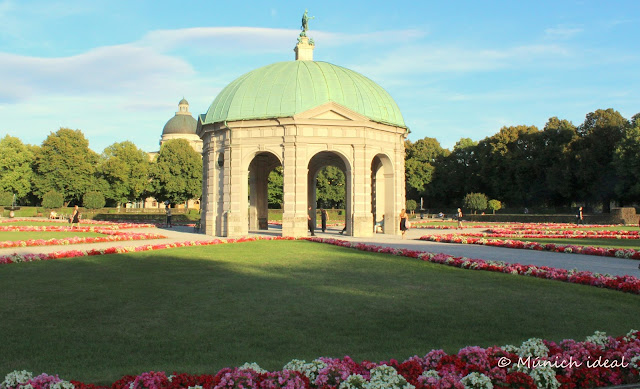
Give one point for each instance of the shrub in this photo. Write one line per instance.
(475, 201)
(52, 199)
(411, 205)
(93, 200)
(6, 199)
(494, 205)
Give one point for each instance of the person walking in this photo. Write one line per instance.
(324, 216)
(403, 222)
(580, 216)
(168, 209)
(75, 217)
(312, 228)
(459, 216)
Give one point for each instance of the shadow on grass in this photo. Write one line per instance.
(200, 309)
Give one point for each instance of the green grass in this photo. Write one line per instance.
(26, 235)
(38, 223)
(606, 243)
(199, 309)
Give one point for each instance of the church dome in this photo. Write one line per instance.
(284, 89)
(182, 122)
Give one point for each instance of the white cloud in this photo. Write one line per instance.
(426, 59)
(562, 32)
(105, 70)
(250, 40)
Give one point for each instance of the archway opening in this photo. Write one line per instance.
(265, 188)
(329, 187)
(383, 195)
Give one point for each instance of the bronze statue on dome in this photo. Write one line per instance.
(305, 23)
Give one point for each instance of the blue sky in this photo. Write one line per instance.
(117, 69)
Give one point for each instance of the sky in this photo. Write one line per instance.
(457, 69)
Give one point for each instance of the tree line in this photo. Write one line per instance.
(592, 164)
(64, 168)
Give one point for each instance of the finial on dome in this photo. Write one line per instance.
(304, 48)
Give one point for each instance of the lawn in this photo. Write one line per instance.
(199, 309)
(37, 223)
(26, 235)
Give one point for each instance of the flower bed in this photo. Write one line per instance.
(512, 226)
(517, 244)
(17, 258)
(557, 233)
(105, 224)
(599, 360)
(113, 236)
(628, 284)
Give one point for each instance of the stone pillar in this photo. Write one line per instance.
(262, 196)
(236, 215)
(294, 166)
(253, 198)
(210, 183)
(362, 216)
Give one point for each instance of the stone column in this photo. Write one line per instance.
(294, 166)
(236, 214)
(209, 186)
(253, 198)
(362, 216)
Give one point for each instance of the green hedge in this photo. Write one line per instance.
(143, 217)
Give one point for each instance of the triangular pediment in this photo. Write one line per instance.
(330, 115)
(331, 111)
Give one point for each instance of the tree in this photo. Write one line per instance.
(627, 165)
(455, 174)
(125, 168)
(330, 187)
(475, 201)
(494, 205)
(411, 205)
(6, 199)
(275, 189)
(52, 199)
(176, 174)
(15, 167)
(596, 176)
(506, 164)
(420, 158)
(65, 164)
(553, 159)
(93, 200)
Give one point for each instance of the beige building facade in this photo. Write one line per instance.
(302, 115)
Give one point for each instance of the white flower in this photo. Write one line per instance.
(309, 369)
(545, 377)
(386, 377)
(62, 385)
(598, 338)
(195, 387)
(354, 381)
(533, 347)
(430, 374)
(252, 366)
(16, 378)
(635, 362)
(476, 380)
(630, 335)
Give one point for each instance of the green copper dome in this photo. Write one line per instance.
(284, 89)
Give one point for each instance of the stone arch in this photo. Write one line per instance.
(383, 194)
(259, 167)
(330, 158)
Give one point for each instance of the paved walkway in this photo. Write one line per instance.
(615, 266)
